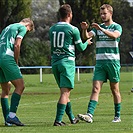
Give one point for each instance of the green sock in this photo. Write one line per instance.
(117, 109)
(14, 102)
(69, 111)
(5, 107)
(91, 107)
(60, 112)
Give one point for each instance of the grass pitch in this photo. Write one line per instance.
(37, 107)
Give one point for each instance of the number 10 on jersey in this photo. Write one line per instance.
(58, 39)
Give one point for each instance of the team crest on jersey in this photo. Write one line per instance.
(58, 52)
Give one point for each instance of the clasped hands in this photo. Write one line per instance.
(85, 26)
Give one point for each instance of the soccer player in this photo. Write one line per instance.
(64, 37)
(107, 61)
(10, 42)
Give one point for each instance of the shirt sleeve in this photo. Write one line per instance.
(94, 31)
(21, 32)
(78, 42)
(118, 28)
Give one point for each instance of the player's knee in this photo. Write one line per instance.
(95, 89)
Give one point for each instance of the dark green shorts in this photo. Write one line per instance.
(109, 71)
(64, 74)
(9, 70)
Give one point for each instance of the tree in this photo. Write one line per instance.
(13, 11)
(34, 53)
(123, 14)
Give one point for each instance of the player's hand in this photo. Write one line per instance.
(84, 25)
(96, 26)
(89, 41)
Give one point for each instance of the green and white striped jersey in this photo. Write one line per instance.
(64, 37)
(107, 49)
(8, 37)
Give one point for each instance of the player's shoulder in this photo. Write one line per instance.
(116, 24)
(55, 25)
(16, 25)
(72, 26)
(63, 25)
(67, 25)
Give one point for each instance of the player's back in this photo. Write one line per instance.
(8, 36)
(62, 43)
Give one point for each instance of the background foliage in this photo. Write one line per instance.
(35, 49)
(13, 11)
(123, 14)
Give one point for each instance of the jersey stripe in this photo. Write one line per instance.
(107, 56)
(107, 50)
(107, 44)
(79, 41)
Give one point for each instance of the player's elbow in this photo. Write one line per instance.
(81, 49)
(116, 35)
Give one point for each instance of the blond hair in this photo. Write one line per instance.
(108, 7)
(28, 20)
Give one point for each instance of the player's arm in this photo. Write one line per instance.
(17, 49)
(111, 34)
(82, 46)
(85, 33)
(21, 33)
(78, 42)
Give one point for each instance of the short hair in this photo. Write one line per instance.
(28, 20)
(64, 10)
(108, 7)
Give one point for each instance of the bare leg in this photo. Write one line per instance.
(115, 91)
(5, 89)
(19, 86)
(4, 100)
(61, 106)
(16, 96)
(117, 100)
(97, 85)
(64, 96)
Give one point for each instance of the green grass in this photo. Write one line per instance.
(38, 106)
